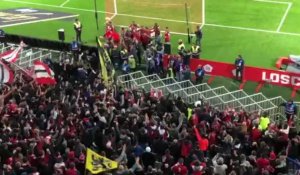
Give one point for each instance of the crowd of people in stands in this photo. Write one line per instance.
(46, 130)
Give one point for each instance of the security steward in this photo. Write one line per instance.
(239, 68)
(195, 51)
(181, 47)
(290, 110)
(132, 62)
(199, 73)
(78, 29)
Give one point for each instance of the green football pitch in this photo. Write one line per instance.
(260, 30)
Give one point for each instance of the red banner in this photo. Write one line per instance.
(260, 75)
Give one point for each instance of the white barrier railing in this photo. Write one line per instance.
(219, 97)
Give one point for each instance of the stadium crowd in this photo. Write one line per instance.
(46, 130)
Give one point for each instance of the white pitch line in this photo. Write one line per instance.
(87, 10)
(56, 6)
(115, 9)
(252, 29)
(42, 20)
(289, 5)
(64, 3)
(284, 16)
(275, 2)
(213, 25)
(113, 16)
(203, 13)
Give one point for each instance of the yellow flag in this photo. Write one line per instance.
(107, 68)
(102, 62)
(97, 164)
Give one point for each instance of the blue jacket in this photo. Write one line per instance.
(75, 45)
(200, 72)
(239, 63)
(125, 68)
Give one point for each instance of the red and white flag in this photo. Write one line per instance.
(11, 56)
(6, 74)
(43, 74)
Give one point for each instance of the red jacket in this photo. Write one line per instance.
(72, 171)
(186, 149)
(255, 134)
(197, 172)
(262, 163)
(203, 142)
(179, 169)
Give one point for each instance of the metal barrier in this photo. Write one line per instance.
(219, 97)
(4, 48)
(293, 166)
(27, 58)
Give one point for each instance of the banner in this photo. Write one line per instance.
(43, 74)
(11, 56)
(255, 74)
(6, 74)
(106, 66)
(96, 163)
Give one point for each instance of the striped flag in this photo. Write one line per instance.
(11, 56)
(43, 74)
(6, 74)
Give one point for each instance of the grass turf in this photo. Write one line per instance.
(246, 27)
(48, 29)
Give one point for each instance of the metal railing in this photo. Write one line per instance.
(219, 97)
(4, 48)
(293, 166)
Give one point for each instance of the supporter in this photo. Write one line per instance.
(179, 168)
(167, 36)
(219, 166)
(264, 121)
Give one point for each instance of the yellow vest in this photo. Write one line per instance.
(77, 25)
(263, 123)
(181, 46)
(189, 113)
(195, 49)
(131, 62)
(124, 51)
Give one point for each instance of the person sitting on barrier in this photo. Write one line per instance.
(290, 110)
